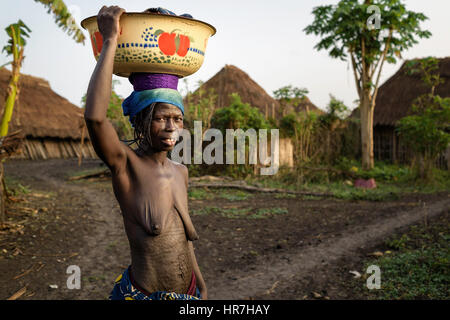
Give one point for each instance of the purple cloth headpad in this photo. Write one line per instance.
(150, 81)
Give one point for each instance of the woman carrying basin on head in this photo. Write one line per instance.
(150, 188)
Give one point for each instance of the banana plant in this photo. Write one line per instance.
(17, 32)
(63, 18)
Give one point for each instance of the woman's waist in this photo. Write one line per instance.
(163, 272)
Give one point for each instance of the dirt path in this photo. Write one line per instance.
(97, 238)
(278, 257)
(278, 274)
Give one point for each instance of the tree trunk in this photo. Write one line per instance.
(366, 114)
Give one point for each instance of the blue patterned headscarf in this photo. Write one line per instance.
(150, 88)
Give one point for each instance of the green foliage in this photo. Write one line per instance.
(381, 172)
(419, 268)
(398, 243)
(17, 33)
(307, 128)
(344, 27)
(239, 115)
(336, 109)
(115, 114)
(288, 125)
(418, 274)
(199, 194)
(15, 188)
(63, 18)
(381, 193)
(347, 32)
(234, 195)
(392, 181)
(268, 212)
(227, 194)
(239, 213)
(315, 137)
(202, 109)
(428, 68)
(427, 131)
(289, 93)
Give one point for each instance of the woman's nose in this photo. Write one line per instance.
(170, 125)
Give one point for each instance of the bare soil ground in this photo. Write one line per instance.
(302, 249)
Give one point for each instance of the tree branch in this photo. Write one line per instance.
(355, 73)
(382, 59)
(363, 61)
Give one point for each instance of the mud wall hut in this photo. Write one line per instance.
(394, 101)
(52, 127)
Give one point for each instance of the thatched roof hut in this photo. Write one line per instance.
(52, 126)
(394, 101)
(301, 105)
(231, 79)
(397, 94)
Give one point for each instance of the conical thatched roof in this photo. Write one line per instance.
(302, 105)
(39, 111)
(233, 80)
(397, 94)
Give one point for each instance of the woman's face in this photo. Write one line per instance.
(166, 126)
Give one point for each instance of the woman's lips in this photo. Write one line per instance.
(169, 141)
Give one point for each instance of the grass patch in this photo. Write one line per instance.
(15, 188)
(383, 192)
(234, 213)
(203, 211)
(233, 195)
(268, 212)
(227, 194)
(199, 194)
(419, 266)
(392, 181)
(286, 196)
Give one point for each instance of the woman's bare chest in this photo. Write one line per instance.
(154, 200)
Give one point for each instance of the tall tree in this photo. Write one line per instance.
(367, 33)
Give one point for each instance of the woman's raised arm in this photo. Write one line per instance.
(104, 138)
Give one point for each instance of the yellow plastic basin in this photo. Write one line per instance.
(155, 43)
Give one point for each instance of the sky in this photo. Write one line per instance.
(263, 38)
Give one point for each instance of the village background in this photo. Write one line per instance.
(309, 232)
